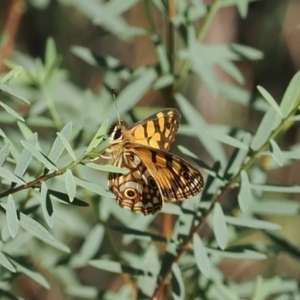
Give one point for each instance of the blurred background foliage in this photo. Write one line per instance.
(58, 59)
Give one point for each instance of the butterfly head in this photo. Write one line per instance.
(115, 132)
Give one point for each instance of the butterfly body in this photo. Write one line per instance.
(154, 175)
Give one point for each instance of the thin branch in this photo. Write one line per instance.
(10, 29)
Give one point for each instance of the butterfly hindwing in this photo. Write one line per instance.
(136, 190)
(157, 131)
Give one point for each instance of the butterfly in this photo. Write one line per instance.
(154, 175)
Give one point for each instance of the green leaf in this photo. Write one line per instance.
(67, 145)
(106, 168)
(25, 158)
(70, 185)
(6, 263)
(35, 276)
(133, 92)
(244, 196)
(220, 227)
(246, 254)
(26, 131)
(227, 139)
(4, 154)
(264, 288)
(264, 130)
(10, 176)
(64, 198)
(276, 188)
(270, 100)
(98, 137)
(139, 234)
(242, 6)
(58, 147)
(12, 92)
(11, 217)
(39, 155)
(47, 205)
(178, 288)
(291, 96)
(116, 267)
(276, 153)
(34, 227)
(11, 74)
(93, 187)
(12, 112)
(201, 257)
(161, 53)
(213, 147)
(252, 223)
(90, 246)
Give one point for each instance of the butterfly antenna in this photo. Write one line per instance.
(114, 97)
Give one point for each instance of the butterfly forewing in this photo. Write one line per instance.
(177, 178)
(157, 131)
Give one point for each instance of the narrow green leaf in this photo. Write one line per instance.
(93, 187)
(264, 288)
(35, 276)
(276, 207)
(264, 130)
(39, 155)
(34, 227)
(276, 188)
(11, 217)
(12, 92)
(10, 176)
(6, 263)
(58, 147)
(140, 234)
(246, 254)
(11, 74)
(26, 131)
(178, 288)
(161, 53)
(25, 158)
(106, 168)
(67, 145)
(244, 196)
(291, 96)
(242, 6)
(107, 265)
(98, 137)
(47, 205)
(4, 154)
(133, 92)
(70, 185)
(276, 153)
(201, 257)
(220, 226)
(116, 267)
(227, 139)
(64, 198)
(85, 54)
(12, 112)
(90, 246)
(252, 223)
(270, 100)
(212, 146)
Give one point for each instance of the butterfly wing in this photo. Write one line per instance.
(177, 179)
(157, 131)
(136, 190)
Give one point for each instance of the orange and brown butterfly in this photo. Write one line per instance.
(154, 175)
